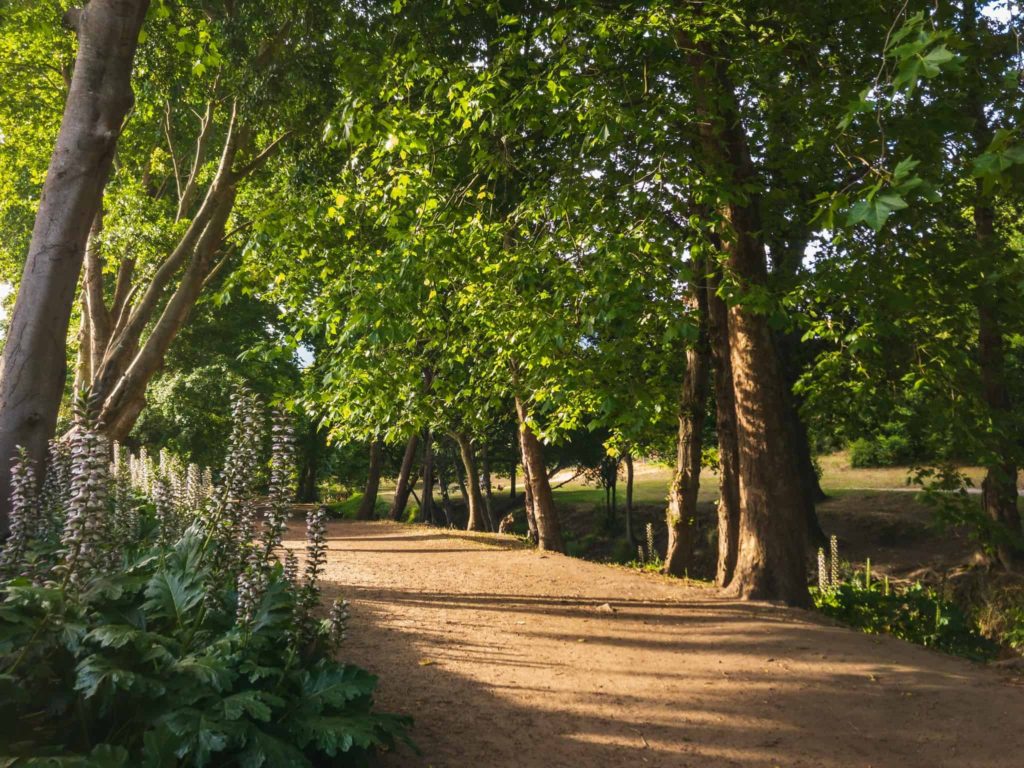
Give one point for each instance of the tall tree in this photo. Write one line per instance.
(34, 362)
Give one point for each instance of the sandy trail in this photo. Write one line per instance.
(506, 657)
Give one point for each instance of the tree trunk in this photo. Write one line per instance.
(999, 488)
(368, 504)
(405, 479)
(725, 423)
(549, 533)
(485, 482)
(630, 538)
(512, 481)
(34, 364)
(771, 555)
(309, 488)
(427, 504)
(478, 519)
(682, 495)
(528, 510)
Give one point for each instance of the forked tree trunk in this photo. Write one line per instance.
(368, 504)
(478, 518)
(405, 479)
(682, 494)
(725, 423)
(549, 533)
(771, 554)
(34, 365)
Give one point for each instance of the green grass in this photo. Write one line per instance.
(347, 509)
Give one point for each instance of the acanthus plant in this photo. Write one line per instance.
(147, 620)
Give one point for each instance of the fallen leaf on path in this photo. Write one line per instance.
(427, 662)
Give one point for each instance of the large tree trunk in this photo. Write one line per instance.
(999, 488)
(368, 504)
(725, 426)
(549, 533)
(682, 494)
(34, 365)
(771, 555)
(478, 518)
(405, 479)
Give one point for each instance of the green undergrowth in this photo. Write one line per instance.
(349, 508)
(915, 612)
(147, 666)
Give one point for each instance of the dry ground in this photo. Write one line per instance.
(508, 657)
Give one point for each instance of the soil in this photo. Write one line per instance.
(509, 657)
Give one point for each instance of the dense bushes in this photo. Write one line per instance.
(161, 629)
(880, 451)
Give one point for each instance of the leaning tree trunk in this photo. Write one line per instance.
(34, 365)
(368, 504)
(725, 426)
(549, 533)
(682, 494)
(771, 554)
(405, 479)
(478, 518)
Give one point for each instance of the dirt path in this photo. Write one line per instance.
(506, 657)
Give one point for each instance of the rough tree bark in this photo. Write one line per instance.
(771, 553)
(528, 509)
(34, 366)
(725, 423)
(479, 520)
(405, 479)
(682, 494)
(369, 501)
(549, 533)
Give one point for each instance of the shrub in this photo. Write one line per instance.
(915, 613)
(880, 451)
(161, 630)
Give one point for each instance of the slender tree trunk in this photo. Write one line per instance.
(528, 509)
(405, 479)
(34, 366)
(682, 495)
(369, 501)
(725, 423)
(549, 533)
(630, 538)
(309, 488)
(446, 499)
(512, 481)
(485, 481)
(475, 500)
(427, 505)
(771, 555)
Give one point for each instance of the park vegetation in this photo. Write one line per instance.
(468, 250)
